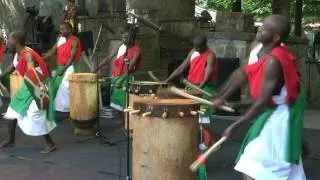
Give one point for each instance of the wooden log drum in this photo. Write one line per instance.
(16, 81)
(140, 90)
(83, 102)
(165, 139)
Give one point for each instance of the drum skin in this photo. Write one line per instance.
(164, 148)
(16, 81)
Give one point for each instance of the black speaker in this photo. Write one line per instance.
(226, 67)
(86, 40)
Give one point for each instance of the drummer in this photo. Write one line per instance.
(203, 73)
(68, 50)
(120, 71)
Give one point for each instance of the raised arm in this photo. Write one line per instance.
(211, 60)
(51, 52)
(181, 68)
(107, 59)
(272, 72)
(29, 59)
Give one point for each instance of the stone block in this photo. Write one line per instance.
(234, 22)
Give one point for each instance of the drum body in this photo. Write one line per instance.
(164, 146)
(141, 90)
(83, 102)
(16, 81)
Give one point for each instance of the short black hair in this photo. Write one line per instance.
(200, 39)
(284, 25)
(19, 36)
(68, 25)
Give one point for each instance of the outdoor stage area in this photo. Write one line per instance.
(91, 160)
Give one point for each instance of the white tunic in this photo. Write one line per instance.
(34, 122)
(62, 100)
(264, 157)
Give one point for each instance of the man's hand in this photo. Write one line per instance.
(61, 71)
(218, 101)
(44, 20)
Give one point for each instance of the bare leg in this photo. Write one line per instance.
(12, 124)
(245, 177)
(50, 145)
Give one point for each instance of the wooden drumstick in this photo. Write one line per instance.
(187, 83)
(153, 76)
(146, 114)
(200, 100)
(193, 113)
(129, 109)
(164, 115)
(201, 112)
(181, 114)
(195, 165)
(134, 112)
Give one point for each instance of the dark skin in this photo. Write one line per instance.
(13, 123)
(67, 33)
(200, 47)
(269, 35)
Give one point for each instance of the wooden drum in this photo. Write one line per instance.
(165, 139)
(140, 90)
(16, 81)
(83, 102)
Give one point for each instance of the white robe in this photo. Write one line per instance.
(264, 157)
(62, 100)
(34, 122)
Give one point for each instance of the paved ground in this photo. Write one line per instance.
(94, 161)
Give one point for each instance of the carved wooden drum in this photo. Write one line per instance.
(165, 139)
(140, 90)
(83, 102)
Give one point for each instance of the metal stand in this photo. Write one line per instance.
(99, 134)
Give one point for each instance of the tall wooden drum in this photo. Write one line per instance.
(165, 139)
(16, 81)
(83, 102)
(141, 90)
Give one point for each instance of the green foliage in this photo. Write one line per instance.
(262, 8)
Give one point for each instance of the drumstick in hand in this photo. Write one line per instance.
(187, 83)
(195, 165)
(200, 100)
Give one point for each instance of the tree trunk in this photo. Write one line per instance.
(281, 7)
(236, 6)
(298, 18)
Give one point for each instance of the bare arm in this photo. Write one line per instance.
(109, 58)
(8, 71)
(29, 60)
(272, 73)
(74, 49)
(235, 81)
(51, 52)
(181, 68)
(211, 60)
(133, 62)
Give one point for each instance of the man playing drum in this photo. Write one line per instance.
(119, 73)
(203, 73)
(68, 50)
(272, 148)
(29, 106)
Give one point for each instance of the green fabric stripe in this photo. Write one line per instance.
(202, 173)
(295, 129)
(21, 101)
(118, 96)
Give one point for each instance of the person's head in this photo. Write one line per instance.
(275, 29)
(66, 29)
(200, 43)
(16, 39)
(129, 36)
(71, 2)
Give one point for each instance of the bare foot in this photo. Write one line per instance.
(6, 143)
(49, 149)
